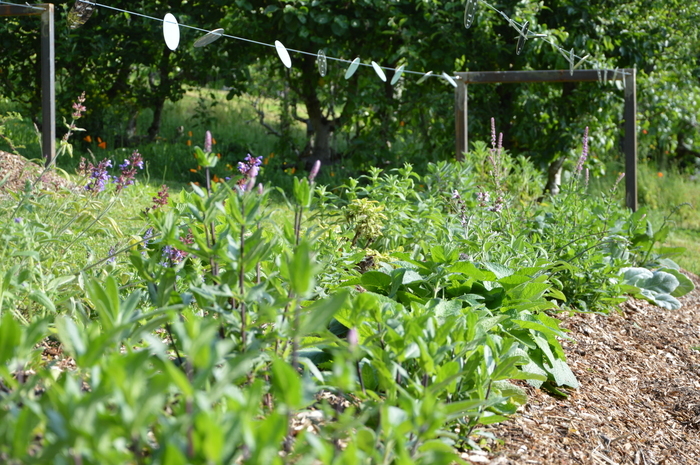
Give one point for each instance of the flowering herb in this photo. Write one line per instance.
(161, 199)
(97, 175)
(207, 142)
(78, 107)
(172, 255)
(249, 168)
(314, 170)
(128, 170)
(584, 153)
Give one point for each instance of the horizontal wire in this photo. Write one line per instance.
(516, 25)
(26, 5)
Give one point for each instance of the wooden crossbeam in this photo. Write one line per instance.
(627, 75)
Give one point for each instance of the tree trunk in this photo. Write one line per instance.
(160, 93)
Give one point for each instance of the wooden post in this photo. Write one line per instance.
(461, 121)
(627, 75)
(48, 73)
(630, 115)
(48, 85)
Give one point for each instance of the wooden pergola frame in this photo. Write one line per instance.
(628, 75)
(48, 71)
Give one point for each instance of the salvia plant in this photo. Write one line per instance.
(384, 321)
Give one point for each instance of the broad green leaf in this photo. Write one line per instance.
(506, 389)
(470, 270)
(685, 285)
(42, 299)
(10, 333)
(286, 384)
(376, 280)
(318, 315)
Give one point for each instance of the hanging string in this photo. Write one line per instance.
(470, 11)
(26, 5)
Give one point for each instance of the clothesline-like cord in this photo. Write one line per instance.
(26, 5)
(405, 71)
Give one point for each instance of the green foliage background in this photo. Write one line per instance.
(123, 64)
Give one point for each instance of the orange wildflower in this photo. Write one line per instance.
(213, 141)
(87, 139)
(660, 174)
(193, 170)
(218, 155)
(216, 179)
(189, 142)
(189, 133)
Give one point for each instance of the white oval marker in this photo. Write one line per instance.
(449, 79)
(283, 54)
(397, 74)
(469, 12)
(209, 37)
(171, 31)
(352, 68)
(424, 77)
(322, 63)
(380, 72)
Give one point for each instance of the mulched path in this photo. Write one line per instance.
(639, 400)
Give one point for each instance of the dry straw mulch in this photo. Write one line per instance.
(16, 171)
(639, 400)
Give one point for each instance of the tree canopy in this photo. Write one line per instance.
(121, 60)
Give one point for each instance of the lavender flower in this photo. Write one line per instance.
(98, 176)
(207, 142)
(314, 170)
(79, 107)
(483, 198)
(172, 256)
(584, 153)
(249, 169)
(112, 257)
(128, 170)
(18, 220)
(493, 133)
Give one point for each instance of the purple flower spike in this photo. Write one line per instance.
(207, 142)
(584, 153)
(314, 170)
(353, 338)
(493, 133)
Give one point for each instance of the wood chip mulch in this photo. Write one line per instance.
(639, 400)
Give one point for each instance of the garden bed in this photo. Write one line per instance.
(639, 401)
